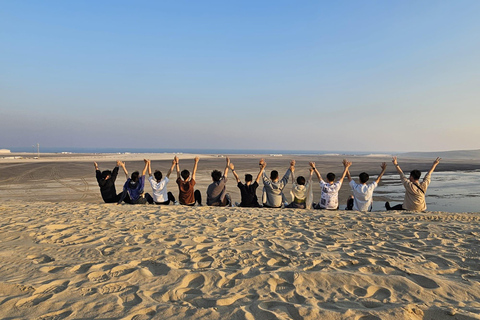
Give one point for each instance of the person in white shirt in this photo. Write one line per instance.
(159, 185)
(330, 188)
(363, 192)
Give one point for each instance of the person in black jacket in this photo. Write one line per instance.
(106, 182)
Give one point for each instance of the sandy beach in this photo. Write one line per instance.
(66, 255)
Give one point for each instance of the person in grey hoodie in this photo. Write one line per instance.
(273, 196)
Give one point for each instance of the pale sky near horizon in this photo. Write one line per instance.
(299, 75)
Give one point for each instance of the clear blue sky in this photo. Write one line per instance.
(303, 75)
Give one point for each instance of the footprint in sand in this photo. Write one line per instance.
(203, 263)
(98, 276)
(129, 297)
(122, 270)
(81, 268)
(40, 259)
(114, 287)
(188, 289)
(155, 268)
(57, 315)
(33, 300)
(280, 286)
(53, 287)
(144, 314)
(422, 281)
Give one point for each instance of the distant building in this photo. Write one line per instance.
(4, 151)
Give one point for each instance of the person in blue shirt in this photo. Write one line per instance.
(134, 185)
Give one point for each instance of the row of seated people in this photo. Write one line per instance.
(273, 187)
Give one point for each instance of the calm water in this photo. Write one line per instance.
(455, 191)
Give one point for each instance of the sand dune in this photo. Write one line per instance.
(96, 261)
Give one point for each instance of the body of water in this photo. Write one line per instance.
(195, 151)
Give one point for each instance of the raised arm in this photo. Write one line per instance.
(384, 168)
(195, 166)
(177, 166)
(171, 168)
(262, 165)
(346, 165)
(292, 170)
(435, 164)
(319, 176)
(395, 163)
(349, 177)
(149, 168)
(122, 164)
(225, 172)
(96, 166)
(232, 167)
(145, 167)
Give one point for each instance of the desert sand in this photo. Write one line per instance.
(66, 255)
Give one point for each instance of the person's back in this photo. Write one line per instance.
(159, 188)
(329, 195)
(248, 194)
(273, 196)
(363, 192)
(135, 187)
(106, 182)
(415, 193)
(186, 191)
(415, 190)
(248, 190)
(216, 191)
(187, 195)
(362, 195)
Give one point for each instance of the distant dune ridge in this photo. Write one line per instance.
(453, 155)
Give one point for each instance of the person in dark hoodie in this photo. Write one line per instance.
(106, 182)
(134, 185)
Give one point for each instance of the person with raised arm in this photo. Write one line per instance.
(362, 192)
(301, 191)
(248, 190)
(414, 189)
(187, 195)
(217, 191)
(330, 188)
(134, 186)
(106, 182)
(159, 185)
(273, 196)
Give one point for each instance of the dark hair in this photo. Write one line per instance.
(216, 175)
(135, 176)
(415, 174)
(248, 177)
(301, 180)
(185, 174)
(331, 176)
(106, 173)
(363, 177)
(274, 174)
(158, 175)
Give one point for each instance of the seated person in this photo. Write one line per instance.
(330, 188)
(216, 191)
(187, 195)
(301, 191)
(159, 185)
(414, 189)
(106, 182)
(273, 196)
(248, 190)
(362, 193)
(134, 185)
